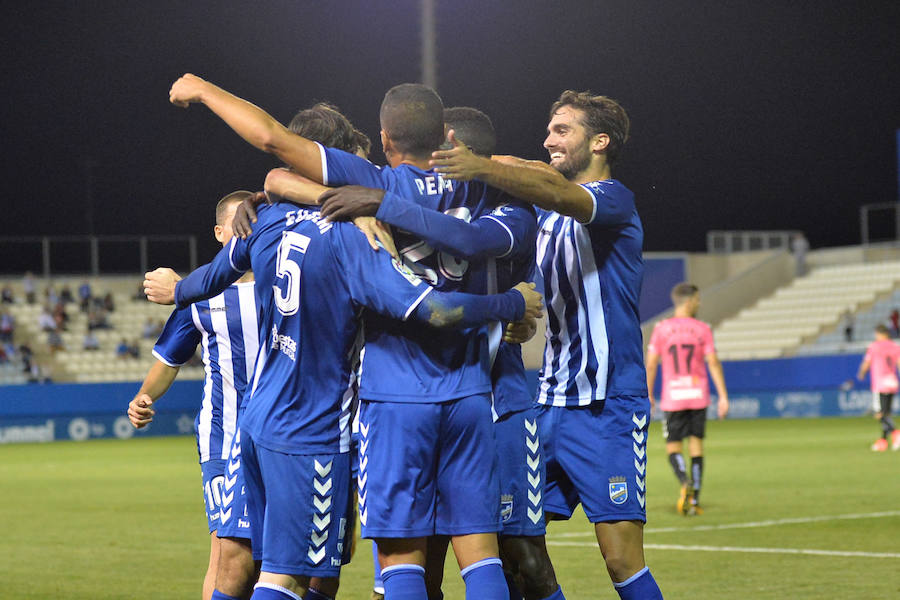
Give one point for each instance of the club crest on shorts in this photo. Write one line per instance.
(506, 506)
(618, 490)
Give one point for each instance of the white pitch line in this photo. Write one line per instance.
(750, 525)
(805, 551)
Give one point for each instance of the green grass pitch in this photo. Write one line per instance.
(794, 509)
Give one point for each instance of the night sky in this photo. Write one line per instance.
(745, 115)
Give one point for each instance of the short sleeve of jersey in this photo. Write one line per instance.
(709, 346)
(519, 222)
(868, 355)
(178, 340)
(377, 281)
(343, 168)
(613, 203)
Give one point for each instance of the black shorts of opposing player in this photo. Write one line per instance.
(680, 424)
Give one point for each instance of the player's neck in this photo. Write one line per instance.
(598, 170)
(683, 313)
(246, 277)
(421, 162)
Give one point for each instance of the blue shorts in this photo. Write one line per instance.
(300, 507)
(234, 517)
(427, 469)
(596, 455)
(522, 474)
(212, 474)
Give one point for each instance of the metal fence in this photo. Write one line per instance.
(723, 242)
(96, 254)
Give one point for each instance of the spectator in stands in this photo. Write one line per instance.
(60, 316)
(7, 326)
(799, 248)
(122, 349)
(28, 286)
(50, 295)
(97, 319)
(134, 349)
(45, 319)
(84, 296)
(4, 357)
(55, 341)
(139, 293)
(6, 295)
(38, 373)
(90, 341)
(149, 330)
(27, 357)
(108, 303)
(65, 294)
(895, 323)
(847, 324)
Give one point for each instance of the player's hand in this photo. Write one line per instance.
(159, 285)
(519, 332)
(377, 232)
(534, 301)
(140, 410)
(245, 215)
(723, 408)
(350, 201)
(187, 89)
(459, 162)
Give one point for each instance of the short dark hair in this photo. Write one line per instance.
(473, 128)
(882, 329)
(683, 291)
(362, 141)
(412, 116)
(601, 115)
(225, 202)
(324, 123)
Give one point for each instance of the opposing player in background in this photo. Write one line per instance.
(882, 357)
(594, 410)
(685, 348)
(228, 328)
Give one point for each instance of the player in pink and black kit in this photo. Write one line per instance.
(882, 356)
(685, 348)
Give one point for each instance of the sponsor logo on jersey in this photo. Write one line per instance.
(406, 272)
(618, 490)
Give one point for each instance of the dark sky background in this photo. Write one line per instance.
(745, 115)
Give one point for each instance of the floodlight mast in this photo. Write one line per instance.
(429, 44)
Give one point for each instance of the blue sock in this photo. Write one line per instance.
(640, 586)
(404, 582)
(217, 595)
(514, 593)
(377, 584)
(485, 580)
(557, 595)
(312, 594)
(270, 591)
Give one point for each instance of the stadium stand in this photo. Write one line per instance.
(780, 324)
(73, 363)
(864, 322)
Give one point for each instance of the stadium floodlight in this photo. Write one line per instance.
(429, 44)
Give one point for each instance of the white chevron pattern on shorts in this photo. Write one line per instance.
(535, 508)
(322, 486)
(640, 452)
(234, 463)
(362, 477)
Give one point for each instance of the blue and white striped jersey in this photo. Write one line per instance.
(592, 276)
(227, 326)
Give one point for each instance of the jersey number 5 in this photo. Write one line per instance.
(287, 272)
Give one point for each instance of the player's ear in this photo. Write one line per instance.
(599, 143)
(385, 142)
(219, 232)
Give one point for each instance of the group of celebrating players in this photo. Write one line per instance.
(362, 328)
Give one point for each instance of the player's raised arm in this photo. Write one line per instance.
(252, 123)
(545, 188)
(493, 235)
